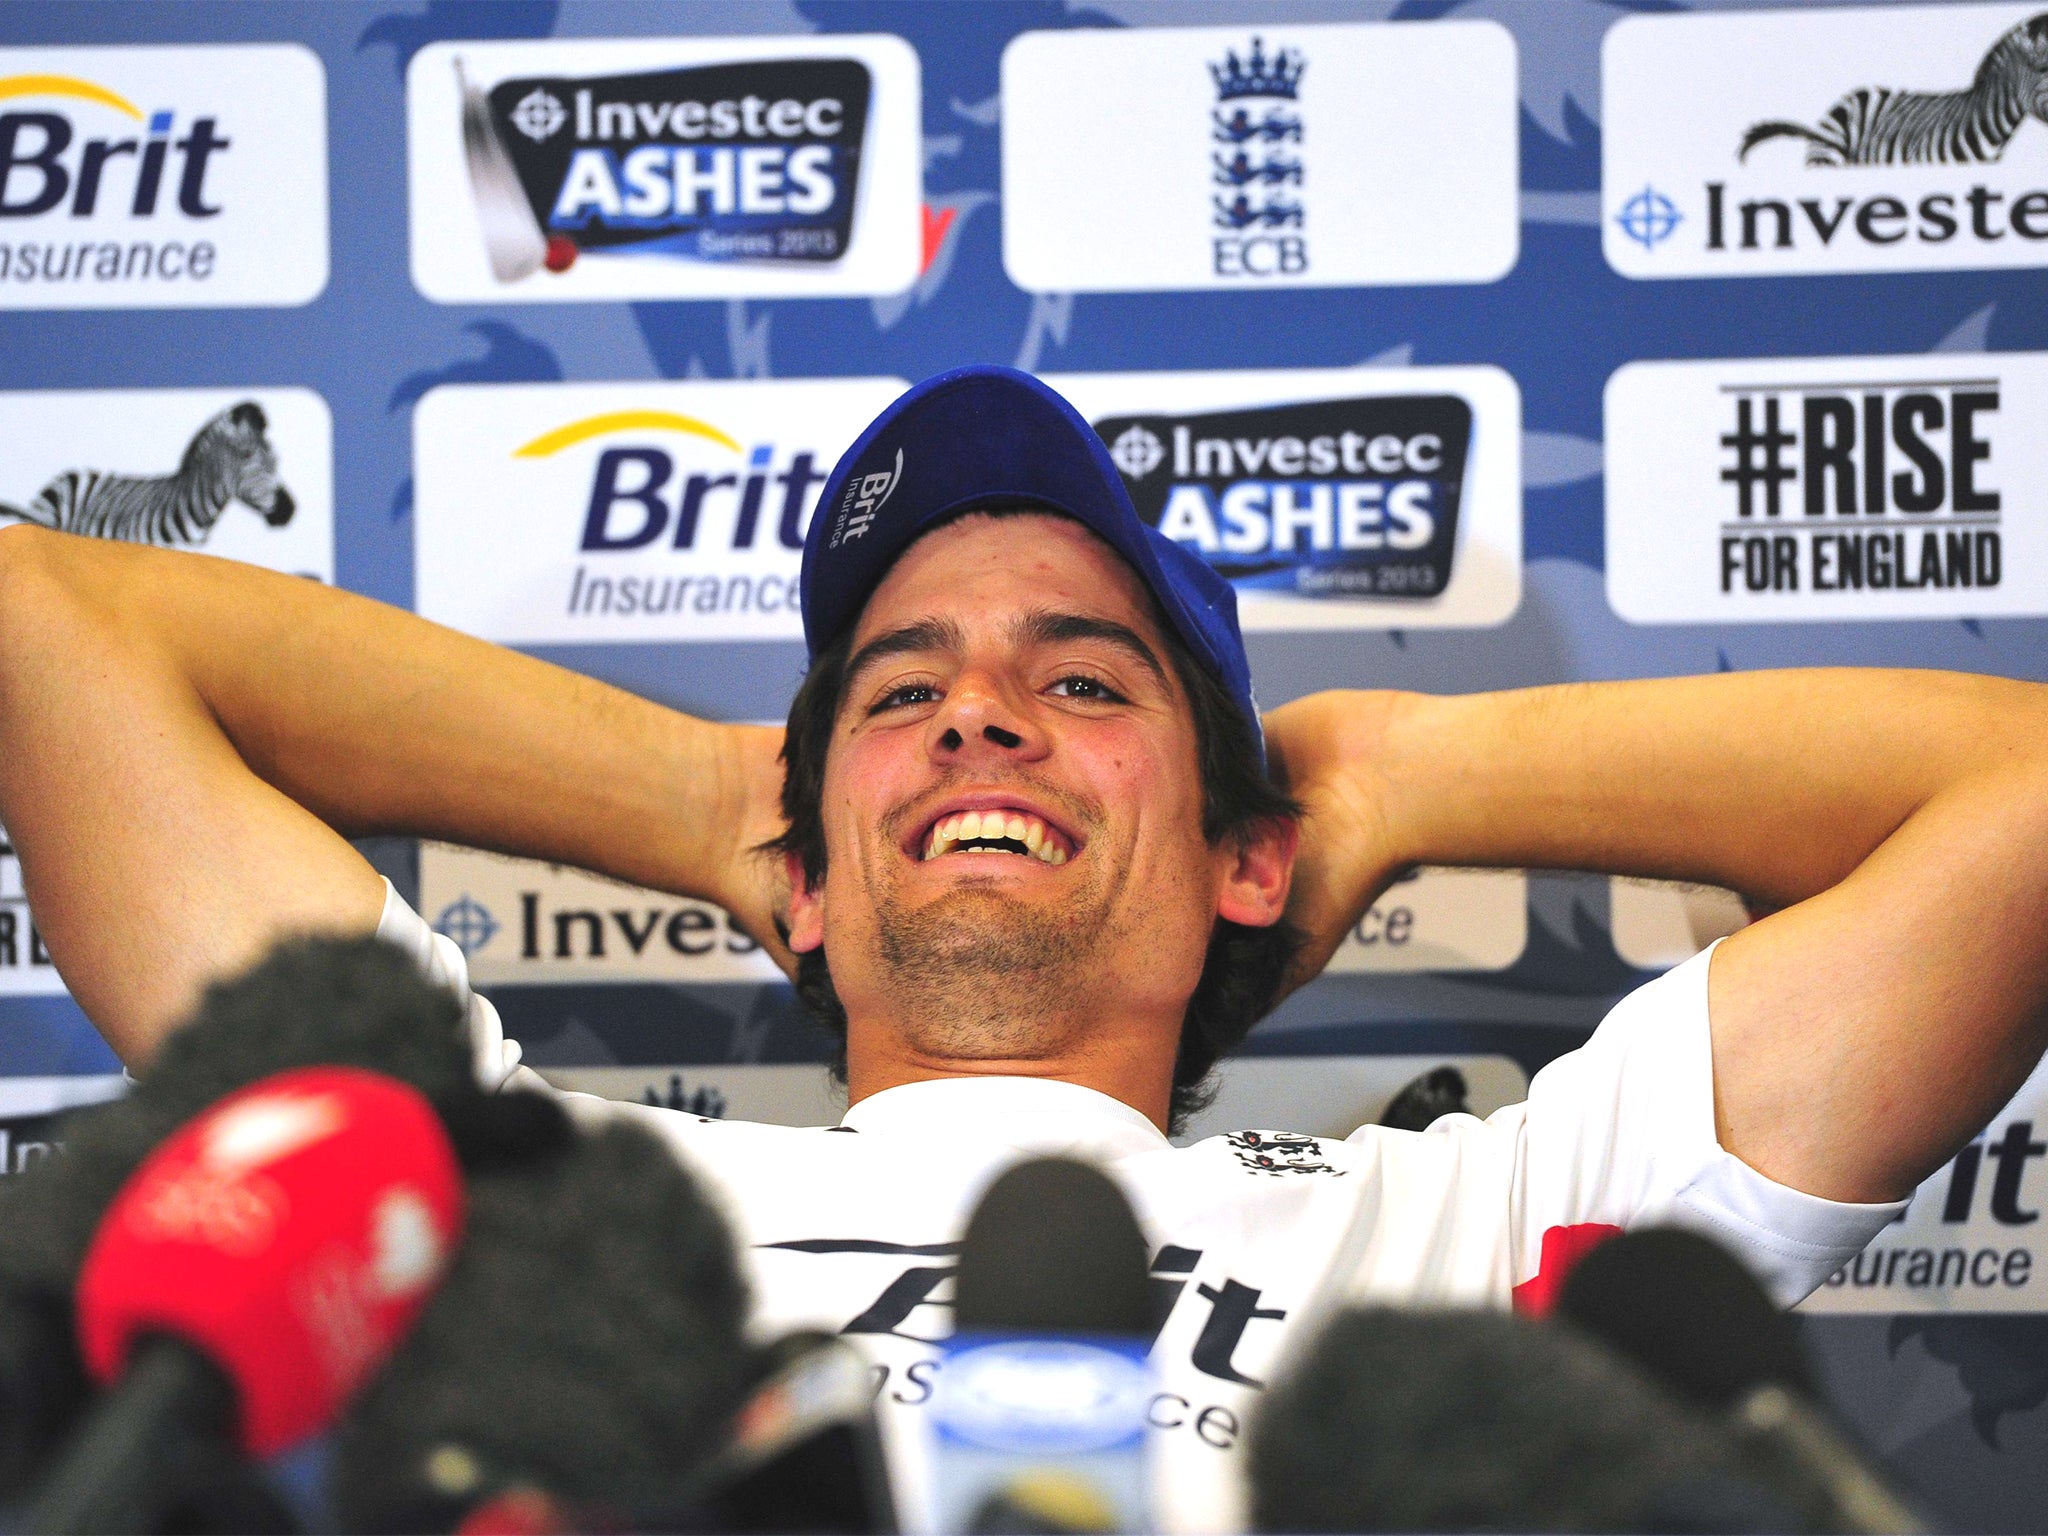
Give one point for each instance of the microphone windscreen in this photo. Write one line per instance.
(290, 1234)
(1466, 1421)
(1686, 1311)
(586, 1343)
(1053, 1247)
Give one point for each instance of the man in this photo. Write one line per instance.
(1027, 835)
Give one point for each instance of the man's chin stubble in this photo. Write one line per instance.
(979, 976)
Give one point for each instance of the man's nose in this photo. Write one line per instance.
(980, 716)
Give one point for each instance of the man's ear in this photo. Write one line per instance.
(806, 909)
(1259, 870)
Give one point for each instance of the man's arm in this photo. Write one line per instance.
(184, 742)
(1898, 819)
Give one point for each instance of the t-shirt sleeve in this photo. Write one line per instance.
(496, 1059)
(1620, 1133)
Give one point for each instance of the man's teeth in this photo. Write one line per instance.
(991, 831)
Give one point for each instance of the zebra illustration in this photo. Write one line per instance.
(228, 459)
(1876, 126)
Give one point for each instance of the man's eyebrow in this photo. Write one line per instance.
(1045, 628)
(924, 635)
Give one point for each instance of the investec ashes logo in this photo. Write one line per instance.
(754, 162)
(644, 498)
(1846, 487)
(1330, 498)
(77, 152)
(1256, 172)
(1875, 125)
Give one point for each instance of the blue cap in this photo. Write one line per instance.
(981, 435)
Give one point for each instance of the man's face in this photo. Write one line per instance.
(1012, 808)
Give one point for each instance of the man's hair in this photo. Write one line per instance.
(1245, 966)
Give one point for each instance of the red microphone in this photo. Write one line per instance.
(250, 1276)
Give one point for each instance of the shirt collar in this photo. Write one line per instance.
(1030, 1114)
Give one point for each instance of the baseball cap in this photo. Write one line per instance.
(976, 436)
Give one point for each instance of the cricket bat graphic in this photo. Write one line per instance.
(512, 236)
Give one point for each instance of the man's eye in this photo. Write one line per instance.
(1081, 686)
(907, 696)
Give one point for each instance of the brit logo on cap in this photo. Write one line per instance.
(863, 499)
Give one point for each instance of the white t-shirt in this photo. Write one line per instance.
(854, 1228)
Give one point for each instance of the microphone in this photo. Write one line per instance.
(805, 1452)
(1470, 1421)
(582, 1359)
(1038, 1418)
(1686, 1310)
(247, 1279)
(315, 1001)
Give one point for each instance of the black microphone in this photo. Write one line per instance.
(1691, 1314)
(1469, 1420)
(1038, 1420)
(310, 1002)
(584, 1353)
(804, 1454)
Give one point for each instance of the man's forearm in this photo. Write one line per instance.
(378, 721)
(1776, 784)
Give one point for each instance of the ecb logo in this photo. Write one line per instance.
(1255, 131)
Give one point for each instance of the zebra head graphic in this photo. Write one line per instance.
(233, 454)
(229, 459)
(1874, 125)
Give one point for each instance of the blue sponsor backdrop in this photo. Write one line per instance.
(1956, 1404)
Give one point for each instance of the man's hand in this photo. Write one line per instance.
(1327, 751)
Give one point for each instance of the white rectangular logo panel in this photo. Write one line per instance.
(547, 513)
(1656, 924)
(1441, 920)
(664, 168)
(26, 969)
(1241, 157)
(1886, 139)
(518, 920)
(1828, 488)
(1333, 498)
(243, 473)
(162, 178)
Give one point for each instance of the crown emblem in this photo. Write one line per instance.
(1257, 74)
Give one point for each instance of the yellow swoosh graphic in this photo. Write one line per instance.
(620, 421)
(66, 85)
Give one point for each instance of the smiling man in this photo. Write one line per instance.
(1033, 868)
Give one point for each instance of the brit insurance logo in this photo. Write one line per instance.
(1327, 506)
(1832, 488)
(1919, 148)
(1221, 158)
(607, 512)
(162, 177)
(773, 171)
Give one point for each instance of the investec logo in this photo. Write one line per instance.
(664, 167)
(550, 513)
(149, 177)
(731, 162)
(1883, 139)
(1325, 499)
(1833, 488)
